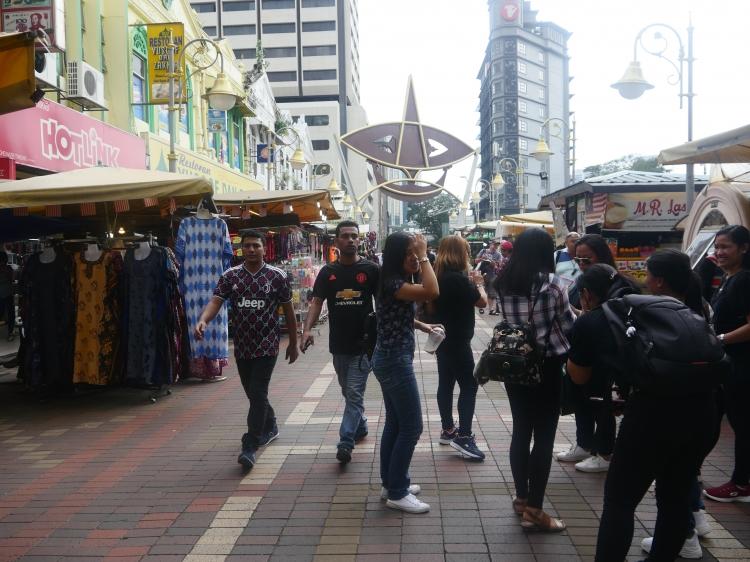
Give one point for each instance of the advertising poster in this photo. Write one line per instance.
(32, 15)
(160, 35)
(265, 154)
(27, 20)
(644, 212)
(217, 120)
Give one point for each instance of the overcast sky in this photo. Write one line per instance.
(442, 43)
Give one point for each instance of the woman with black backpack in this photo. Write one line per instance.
(663, 436)
(529, 292)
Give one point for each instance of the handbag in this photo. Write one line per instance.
(512, 356)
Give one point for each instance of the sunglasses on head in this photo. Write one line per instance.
(582, 260)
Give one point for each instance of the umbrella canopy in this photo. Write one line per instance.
(306, 204)
(730, 146)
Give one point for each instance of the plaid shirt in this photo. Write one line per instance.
(552, 318)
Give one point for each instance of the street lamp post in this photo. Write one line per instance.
(297, 160)
(633, 84)
(556, 128)
(492, 188)
(507, 165)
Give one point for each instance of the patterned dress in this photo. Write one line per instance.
(204, 251)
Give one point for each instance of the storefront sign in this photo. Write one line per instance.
(264, 154)
(644, 212)
(217, 120)
(223, 179)
(509, 10)
(7, 169)
(55, 138)
(160, 37)
(33, 15)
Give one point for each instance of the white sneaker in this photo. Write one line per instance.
(414, 489)
(574, 454)
(702, 526)
(593, 464)
(409, 503)
(691, 549)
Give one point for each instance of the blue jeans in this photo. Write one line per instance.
(394, 370)
(352, 372)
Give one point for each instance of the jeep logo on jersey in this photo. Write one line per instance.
(361, 278)
(257, 304)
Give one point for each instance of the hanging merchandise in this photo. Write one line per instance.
(47, 309)
(97, 329)
(204, 252)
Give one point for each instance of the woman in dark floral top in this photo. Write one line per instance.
(404, 256)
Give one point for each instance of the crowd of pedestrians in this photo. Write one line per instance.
(567, 298)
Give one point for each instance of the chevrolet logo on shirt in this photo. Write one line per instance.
(348, 294)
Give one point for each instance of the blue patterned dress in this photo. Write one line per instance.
(205, 251)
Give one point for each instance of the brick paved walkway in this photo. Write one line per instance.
(110, 476)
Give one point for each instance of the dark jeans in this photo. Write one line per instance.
(595, 426)
(662, 439)
(535, 414)
(455, 363)
(8, 310)
(255, 375)
(394, 370)
(736, 392)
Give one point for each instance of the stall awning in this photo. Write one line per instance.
(100, 185)
(727, 147)
(537, 217)
(304, 203)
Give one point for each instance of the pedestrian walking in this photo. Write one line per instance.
(731, 305)
(348, 286)
(255, 290)
(461, 290)
(528, 291)
(488, 259)
(664, 435)
(404, 257)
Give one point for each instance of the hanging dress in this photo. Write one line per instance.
(204, 251)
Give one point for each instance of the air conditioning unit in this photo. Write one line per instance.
(45, 69)
(85, 85)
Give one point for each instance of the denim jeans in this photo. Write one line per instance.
(394, 370)
(255, 375)
(352, 372)
(455, 363)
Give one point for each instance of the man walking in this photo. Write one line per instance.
(348, 285)
(255, 291)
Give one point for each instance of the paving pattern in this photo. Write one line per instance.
(109, 476)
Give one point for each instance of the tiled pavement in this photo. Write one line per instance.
(107, 475)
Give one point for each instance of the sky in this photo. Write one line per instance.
(441, 43)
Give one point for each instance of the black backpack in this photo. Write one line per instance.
(663, 346)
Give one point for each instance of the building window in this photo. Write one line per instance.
(139, 88)
(239, 30)
(237, 6)
(210, 30)
(317, 120)
(521, 48)
(286, 76)
(319, 26)
(279, 52)
(541, 75)
(524, 162)
(541, 93)
(321, 145)
(497, 127)
(318, 3)
(278, 4)
(522, 87)
(319, 50)
(523, 126)
(521, 67)
(245, 53)
(541, 111)
(523, 144)
(319, 74)
(279, 28)
(204, 7)
(523, 107)
(540, 57)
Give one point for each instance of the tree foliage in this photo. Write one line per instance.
(628, 162)
(432, 214)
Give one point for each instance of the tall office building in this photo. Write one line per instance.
(524, 82)
(312, 47)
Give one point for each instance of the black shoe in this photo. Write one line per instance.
(268, 437)
(344, 455)
(360, 436)
(466, 445)
(247, 458)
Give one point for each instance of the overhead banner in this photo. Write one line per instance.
(160, 37)
(644, 212)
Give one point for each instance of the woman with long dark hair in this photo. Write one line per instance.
(404, 257)
(731, 304)
(662, 437)
(461, 290)
(529, 291)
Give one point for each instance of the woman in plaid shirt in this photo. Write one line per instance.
(528, 289)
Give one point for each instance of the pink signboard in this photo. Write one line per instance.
(56, 138)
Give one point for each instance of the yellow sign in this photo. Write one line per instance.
(223, 179)
(164, 38)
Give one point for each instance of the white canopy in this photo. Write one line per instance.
(730, 146)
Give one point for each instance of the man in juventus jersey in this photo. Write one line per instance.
(255, 290)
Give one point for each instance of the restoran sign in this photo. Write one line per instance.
(644, 211)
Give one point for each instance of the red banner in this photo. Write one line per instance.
(7, 169)
(56, 138)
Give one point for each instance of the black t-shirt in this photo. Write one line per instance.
(349, 291)
(592, 344)
(455, 306)
(731, 304)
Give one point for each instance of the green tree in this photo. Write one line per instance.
(431, 215)
(628, 162)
